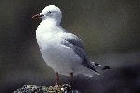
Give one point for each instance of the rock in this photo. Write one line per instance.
(65, 88)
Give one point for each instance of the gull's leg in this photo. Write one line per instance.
(56, 78)
(71, 78)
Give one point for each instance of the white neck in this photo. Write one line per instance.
(50, 22)
(48, 25)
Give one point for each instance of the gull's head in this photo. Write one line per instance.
(50, 12)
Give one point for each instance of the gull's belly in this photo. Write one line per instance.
(61, 58)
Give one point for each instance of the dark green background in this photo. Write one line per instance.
(109, 29)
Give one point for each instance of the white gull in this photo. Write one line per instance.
(62, 50)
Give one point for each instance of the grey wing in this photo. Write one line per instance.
(77, 46)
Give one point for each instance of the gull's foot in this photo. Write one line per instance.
(66, 87)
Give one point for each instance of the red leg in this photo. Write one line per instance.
(57, 78)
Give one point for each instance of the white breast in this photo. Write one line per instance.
(61, 58)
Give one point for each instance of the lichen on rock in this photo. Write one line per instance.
(64, 88)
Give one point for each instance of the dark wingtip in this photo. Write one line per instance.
(106, 67)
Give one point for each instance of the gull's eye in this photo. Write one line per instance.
(49, 12)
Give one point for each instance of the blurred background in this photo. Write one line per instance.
(109, 29)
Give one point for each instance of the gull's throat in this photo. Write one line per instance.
(51, 22)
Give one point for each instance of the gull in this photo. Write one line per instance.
(60, 49)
